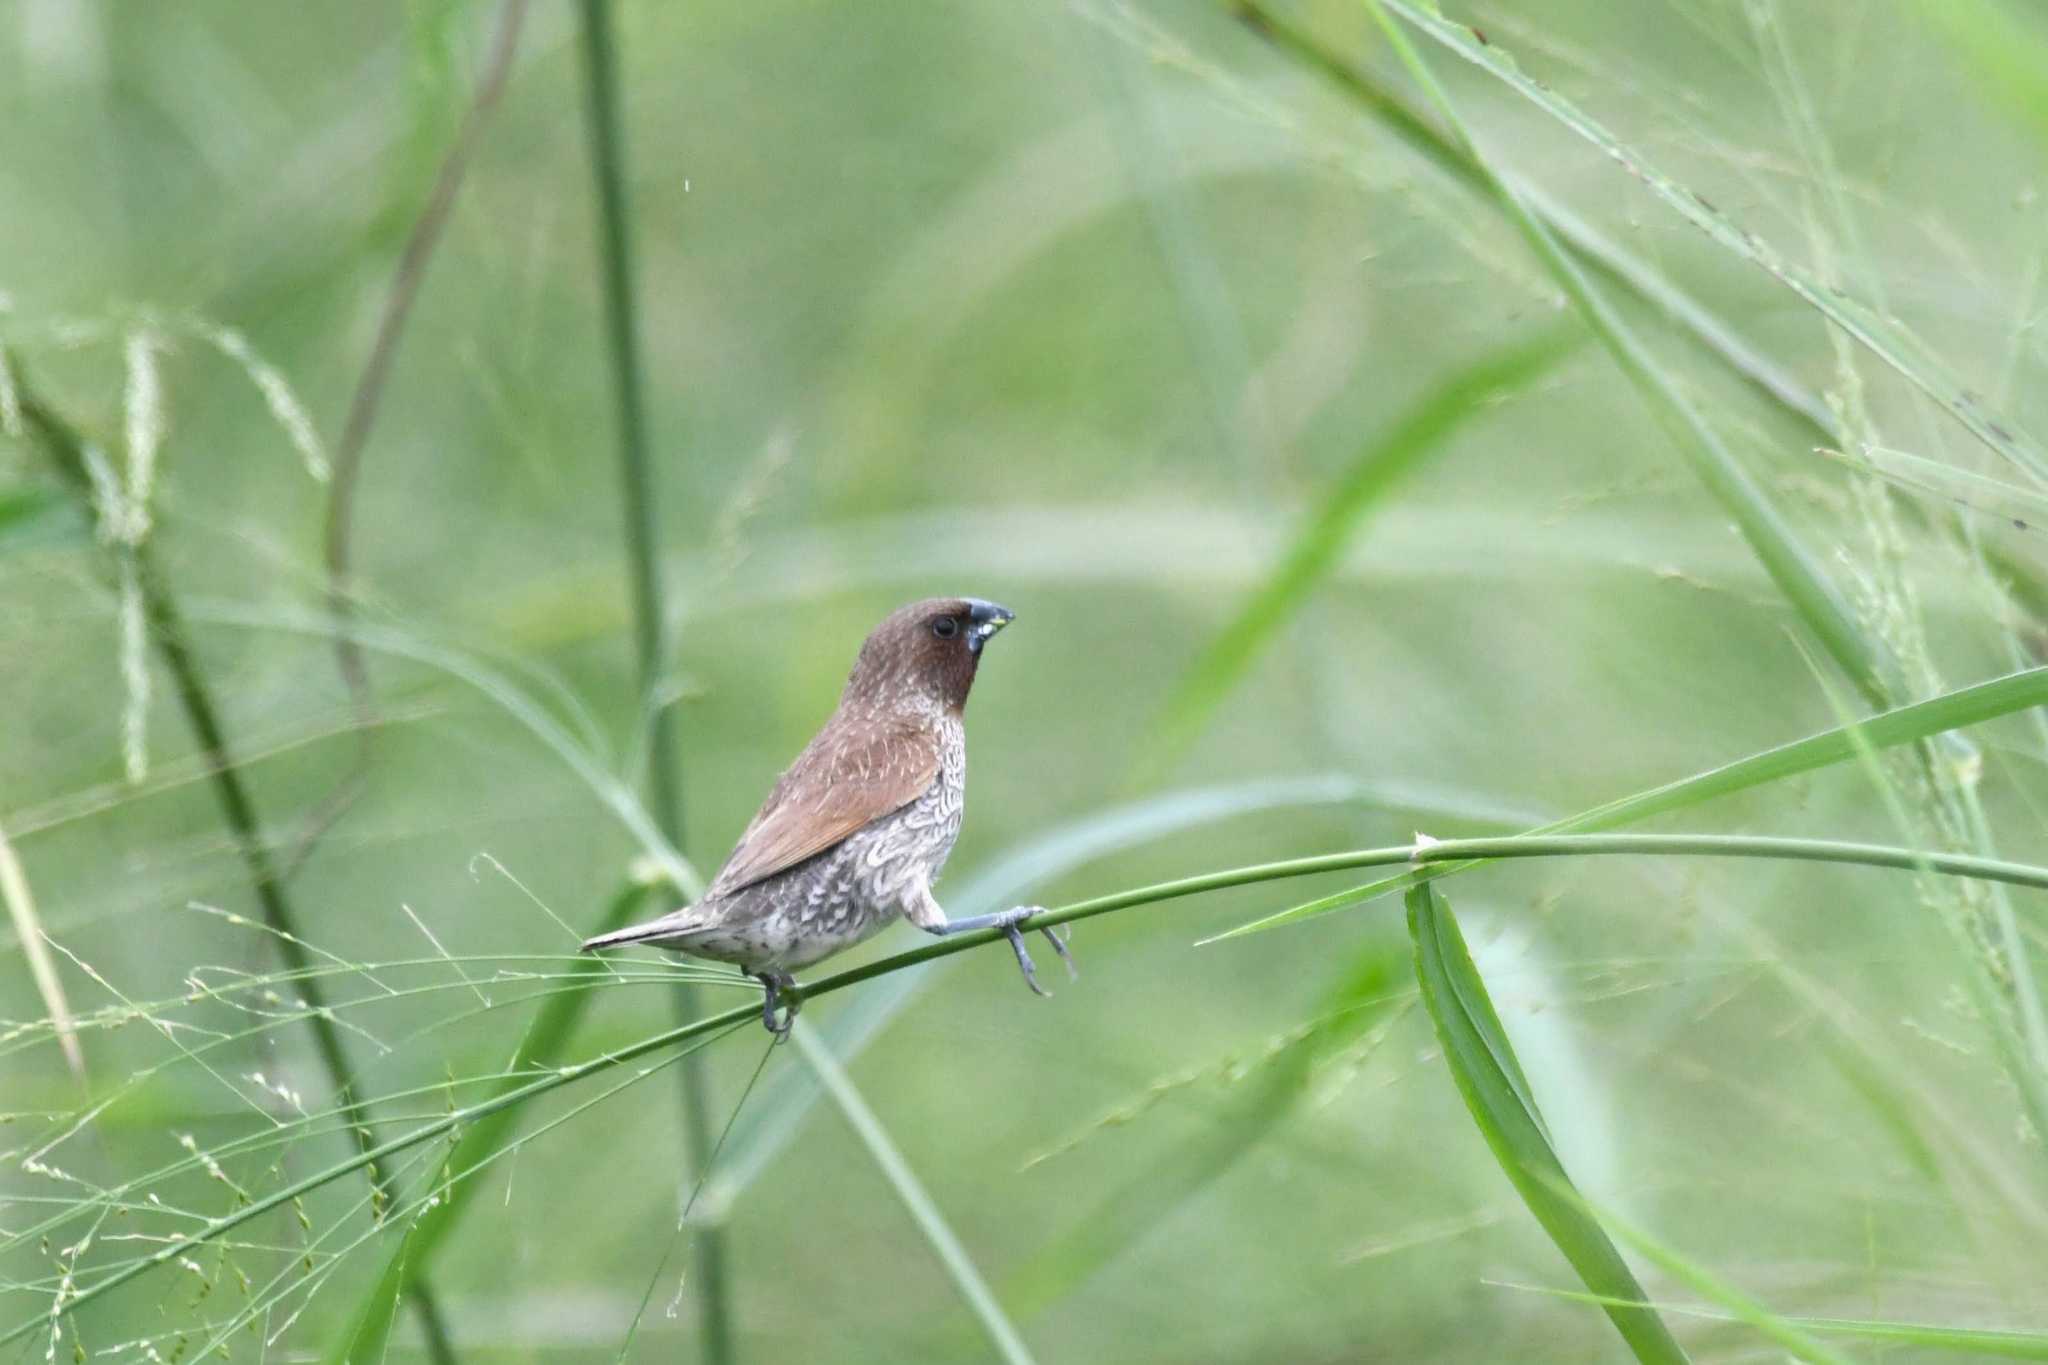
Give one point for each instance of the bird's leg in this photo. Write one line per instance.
(778, 988)
(927, 914)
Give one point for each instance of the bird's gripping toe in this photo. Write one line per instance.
(779, 990)
(1009, 920)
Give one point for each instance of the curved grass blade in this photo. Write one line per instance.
(1358, 1013)
(1591, 246)
(959, 1266)
(1483, 1064)
(542, 1045)
(769, 1125)
(28, 927)
(1418, 433)
(2024, 507)
(1705, 1283)
(1891, 344)
(1972, 1341)
(1861, 656)
(1551, 846)
(1903, 725)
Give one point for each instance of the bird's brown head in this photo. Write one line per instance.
(925, 653)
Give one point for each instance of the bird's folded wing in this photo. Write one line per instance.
(850, 777)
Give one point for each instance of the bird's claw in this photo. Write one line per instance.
(1009, 922)
(779, 989)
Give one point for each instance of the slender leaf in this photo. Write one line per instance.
(28, 927)
(768, 1125)
(1363, 1002)
(952, 1255)
(1884, 339)
(1416, 434)
(1482, 1062)
(1549, 846)
(1779, 1329)
(1976, 1341)
(1863, 658)
(542, 1046)
(1592, 246)
(1903, 725)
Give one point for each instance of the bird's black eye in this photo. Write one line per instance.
(945, 627)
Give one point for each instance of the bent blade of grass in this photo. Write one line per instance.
(1549, 846)
(2008, 1007)
(1704, 1282)
(1359, 1011)
(1975, 1341)
(1592, 246)
(1863, 658)
(28, 927)
(1482, 1062)
(959, 1265)
(1418, 433)
(769, 1125)
(1903, 725)
(1891, 344)
(541, 1045)
(1963, 487)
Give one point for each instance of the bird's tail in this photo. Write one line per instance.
(673, 925)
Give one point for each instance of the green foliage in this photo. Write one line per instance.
(1483, 1064)
(1239, 348)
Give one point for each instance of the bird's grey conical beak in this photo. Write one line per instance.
(987, 618)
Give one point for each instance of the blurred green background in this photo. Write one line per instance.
(1088, 309)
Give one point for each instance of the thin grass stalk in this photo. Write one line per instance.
(364, 403)
(541, 1045)
(166, 628)
(607, 158)
(1863, 657)
(1508, 847)
(1002, 1334)
(1904, 353)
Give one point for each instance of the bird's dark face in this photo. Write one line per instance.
(926, 652)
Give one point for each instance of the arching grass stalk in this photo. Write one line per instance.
(1515, 846)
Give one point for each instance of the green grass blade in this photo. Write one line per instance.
(959, 1266)
(1741, 1306)
(768, 1125)
(1483, 1064)
(1549, 846)
(1972, 1341)
(1890, 343)
(28, 928)
(1976, 1341)
(1819, 605)
(30, 514)
(1591, 245)
(1365, 1001)
(1903, 725)
(542, 1045)
(1418, 433)
(1964, 487)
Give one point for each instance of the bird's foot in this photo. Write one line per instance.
(779, 989)
(1008, 921)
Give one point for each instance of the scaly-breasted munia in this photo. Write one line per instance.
(857, 830)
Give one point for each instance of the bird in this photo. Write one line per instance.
(858, 828)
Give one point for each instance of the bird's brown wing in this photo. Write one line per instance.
(849, 777)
